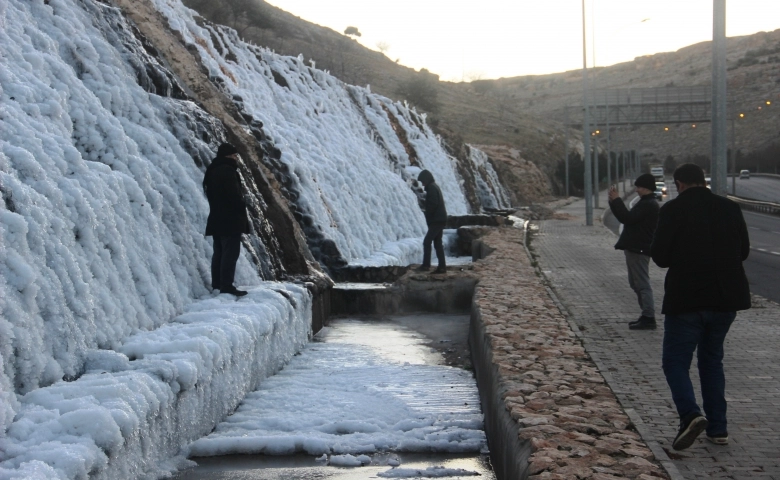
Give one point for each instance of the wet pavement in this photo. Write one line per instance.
(416, 342)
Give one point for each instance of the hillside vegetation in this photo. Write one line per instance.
(526, 113)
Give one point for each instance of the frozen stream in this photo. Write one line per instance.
(369, 398)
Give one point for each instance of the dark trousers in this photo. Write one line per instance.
(223, 263)
(705, 332)
(434, 235)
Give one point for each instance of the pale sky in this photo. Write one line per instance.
(459, 39)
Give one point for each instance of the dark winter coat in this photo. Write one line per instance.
(222, 184)
(435, 211)
(638, 223)
(703, 240)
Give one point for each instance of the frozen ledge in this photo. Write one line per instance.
(548, 410)
(135, 409)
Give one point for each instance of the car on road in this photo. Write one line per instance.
(709, 182)
(659, 194)
(662, 186)
(744, 174)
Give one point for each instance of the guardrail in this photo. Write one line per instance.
(755, 205)
(771, 175)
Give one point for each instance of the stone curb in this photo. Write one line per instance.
(570, 423)
(650, 440)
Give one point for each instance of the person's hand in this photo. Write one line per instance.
(613, 193)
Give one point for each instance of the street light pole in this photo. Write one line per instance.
(595, 167)
(719, 134)
(566, 146)
(586, 127)
(609, 154)
(733, 151)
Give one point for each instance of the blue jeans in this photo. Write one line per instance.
(684, 333)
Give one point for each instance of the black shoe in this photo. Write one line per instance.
(690, 428)
(440, 270)
(644, 323)
(642, 318)
(234, 291)
(422, 268)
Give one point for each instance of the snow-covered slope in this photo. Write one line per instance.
(344, 165)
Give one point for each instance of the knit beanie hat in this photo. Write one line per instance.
(226, 149)
(646, 181)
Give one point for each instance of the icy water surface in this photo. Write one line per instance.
(369, 398)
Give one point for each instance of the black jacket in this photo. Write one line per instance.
(435, 211)
(638, 223)
(222, 184)
(702, 238)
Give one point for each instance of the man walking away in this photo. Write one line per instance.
(703, 240)
(635, 240)
(227, 217)
(436, 218)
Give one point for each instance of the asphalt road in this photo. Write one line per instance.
(763, 265)
(765, 189)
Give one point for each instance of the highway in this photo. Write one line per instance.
(763, 265)
(765, 189)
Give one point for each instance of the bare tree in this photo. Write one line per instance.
(474, 75)
(352, 31)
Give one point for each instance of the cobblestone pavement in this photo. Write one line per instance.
(589, 277)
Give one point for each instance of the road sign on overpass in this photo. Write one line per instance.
(645, 106)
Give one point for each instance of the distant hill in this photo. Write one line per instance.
(526, 113)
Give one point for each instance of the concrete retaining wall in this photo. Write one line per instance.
(450, 293)
(508, 454)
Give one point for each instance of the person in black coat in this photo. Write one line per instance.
(227, 217)
(702, 239)
(436, 218)
(638, 228)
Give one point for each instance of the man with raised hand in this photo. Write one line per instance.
(227, 217)
(702, 239)
(635, 239)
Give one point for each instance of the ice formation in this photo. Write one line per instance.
(114, 355)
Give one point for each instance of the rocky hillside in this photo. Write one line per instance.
(465, 112)
(753, 80)
(526, 113)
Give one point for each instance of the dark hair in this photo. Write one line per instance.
(689, 174)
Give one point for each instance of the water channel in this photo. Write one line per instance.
(388, 396)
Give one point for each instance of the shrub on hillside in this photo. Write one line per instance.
(421, 90)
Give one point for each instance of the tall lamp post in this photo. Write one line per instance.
(606, 101)
(586, 127)
(719, 134)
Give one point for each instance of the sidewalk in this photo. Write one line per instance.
(589, 277)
